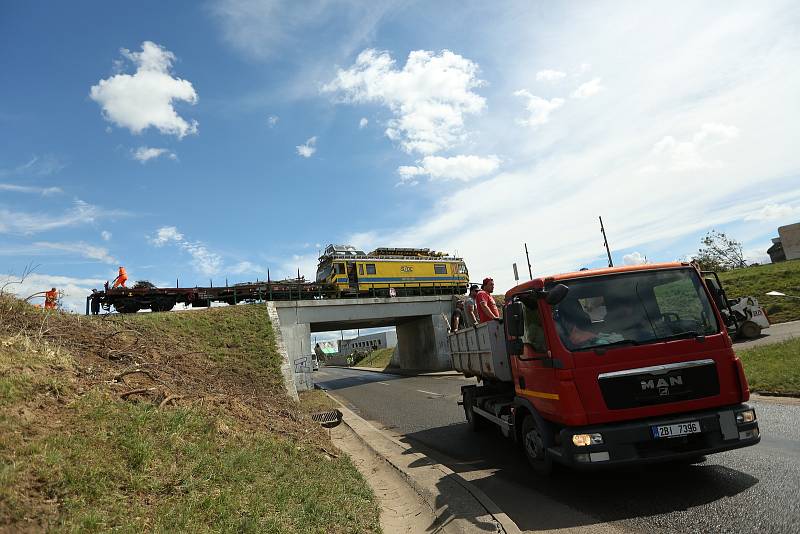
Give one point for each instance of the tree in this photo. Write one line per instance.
(719, 253)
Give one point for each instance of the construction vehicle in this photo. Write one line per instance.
(608, 367)
(742, 315)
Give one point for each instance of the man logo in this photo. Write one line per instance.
(662, 384)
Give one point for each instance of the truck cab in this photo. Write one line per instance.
(617, 366)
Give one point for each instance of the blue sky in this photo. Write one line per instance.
(214, 140)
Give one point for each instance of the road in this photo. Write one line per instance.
(756, 489)
(773, 334)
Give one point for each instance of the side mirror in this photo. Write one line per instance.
(514, 319)
(556, 294)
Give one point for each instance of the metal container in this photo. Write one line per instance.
(481, 351)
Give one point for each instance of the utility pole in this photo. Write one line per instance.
(530, 272)
(605, 242)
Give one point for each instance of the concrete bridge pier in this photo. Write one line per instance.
(422, 344)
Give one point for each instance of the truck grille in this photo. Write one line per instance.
(659, 384)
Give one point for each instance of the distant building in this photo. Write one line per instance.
(325, 350)
(787, 245)
(790, 240)
(368, 343)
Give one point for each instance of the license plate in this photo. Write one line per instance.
(678, 429)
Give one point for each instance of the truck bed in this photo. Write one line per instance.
(481, 351)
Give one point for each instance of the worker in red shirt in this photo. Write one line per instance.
(120, 280)
(487, 307)
(50, 299)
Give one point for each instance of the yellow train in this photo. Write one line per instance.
(391, 271)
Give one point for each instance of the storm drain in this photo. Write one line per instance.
(327, 419)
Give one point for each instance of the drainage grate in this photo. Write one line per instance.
(328, 419)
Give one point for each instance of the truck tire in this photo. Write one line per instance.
(749, 330)
(534, 443)
(475, 422)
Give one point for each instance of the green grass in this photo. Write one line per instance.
(132, 467)
(235, 455)
(379, 359)
(239, 336)
(756, 281)
(773, 368)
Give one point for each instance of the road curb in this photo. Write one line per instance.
(459, 506)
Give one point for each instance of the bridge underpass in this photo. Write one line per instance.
(419, 321)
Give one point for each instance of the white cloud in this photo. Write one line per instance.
(539, 108)
(272, 120)
(772, 212)
(549, 75)
(44, 191)
(37, 166)
(246, 267)
(164, 235)
(204, 260)
(634, 258)
(146, 153)
(145, 99)
(74, 290)
(674, 155)
(588, 89)
(363, 122)
(429, 97)
(464, 168)
(26, 223)
(86, 250)
(307, 150)
(106, 235)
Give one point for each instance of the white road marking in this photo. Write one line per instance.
(384, 383)
(430, 393)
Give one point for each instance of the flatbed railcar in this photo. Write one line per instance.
(131, 300)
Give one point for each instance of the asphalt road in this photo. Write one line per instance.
(773, 334)
(756, 489)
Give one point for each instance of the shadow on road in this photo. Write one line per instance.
(540, 503)
(350, 381)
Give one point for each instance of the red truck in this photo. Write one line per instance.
(604, 367)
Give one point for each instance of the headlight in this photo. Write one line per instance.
(583, 440)
(746, 416)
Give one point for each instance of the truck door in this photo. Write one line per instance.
(533, 372)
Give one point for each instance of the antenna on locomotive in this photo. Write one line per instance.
(527, 257)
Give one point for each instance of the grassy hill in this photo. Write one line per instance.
(378, 359)
(758, 280)
(162, 422)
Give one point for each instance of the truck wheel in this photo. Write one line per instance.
(475, 422)
(749, 330)
(535, 443)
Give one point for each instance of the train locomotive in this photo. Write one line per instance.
(391, 272)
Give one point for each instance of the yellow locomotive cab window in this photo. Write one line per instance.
(340, 268)
(370, 268)
(440, 268)
(360, 268)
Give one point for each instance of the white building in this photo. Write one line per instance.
(368, 343)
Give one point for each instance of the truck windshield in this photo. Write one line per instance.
(633, 309)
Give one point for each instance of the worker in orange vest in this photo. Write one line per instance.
(50, 299)
(120, 280)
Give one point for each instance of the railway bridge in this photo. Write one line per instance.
(420, 323)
